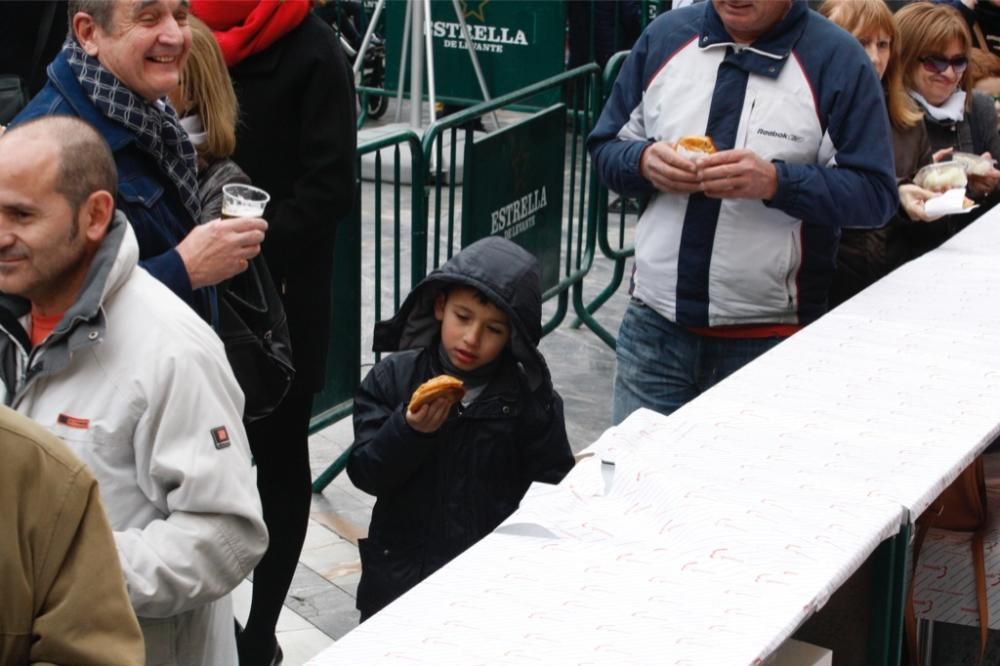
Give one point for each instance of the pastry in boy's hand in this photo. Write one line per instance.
(442, 386)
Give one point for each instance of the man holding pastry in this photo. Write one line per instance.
(452, 428)
(747, 127)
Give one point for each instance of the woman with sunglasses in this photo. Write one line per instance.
(865, 255)
(935, 46)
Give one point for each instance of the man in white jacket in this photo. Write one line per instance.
(106, 357)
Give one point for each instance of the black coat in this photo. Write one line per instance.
(868, 255)
(297, 139)
(439, 493)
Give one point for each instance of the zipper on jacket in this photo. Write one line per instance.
(746, 135)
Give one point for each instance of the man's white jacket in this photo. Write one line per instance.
(140, 388)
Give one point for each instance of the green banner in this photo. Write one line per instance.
(343, 372)
(517, 42)
(513, 187)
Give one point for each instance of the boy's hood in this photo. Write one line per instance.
(505, 273)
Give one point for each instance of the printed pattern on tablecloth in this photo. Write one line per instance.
(656, 571)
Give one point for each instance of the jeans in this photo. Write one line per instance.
(661, 365)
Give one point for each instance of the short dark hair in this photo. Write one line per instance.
(86, 164)
(102, 11)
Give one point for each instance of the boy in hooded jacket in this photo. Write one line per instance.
(446, 475)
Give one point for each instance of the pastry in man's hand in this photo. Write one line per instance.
(442, 386)
(696, 143)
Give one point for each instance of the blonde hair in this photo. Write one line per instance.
(926, 29)
(206, 87)
(868, 18)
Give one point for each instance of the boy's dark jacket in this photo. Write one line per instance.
(437, 494)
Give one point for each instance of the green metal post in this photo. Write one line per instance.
(889, 598)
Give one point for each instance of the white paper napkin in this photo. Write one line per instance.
(951, 202)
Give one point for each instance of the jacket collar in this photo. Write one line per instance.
(111, 267)
(61, 76)
(261, 63)
(767, 55)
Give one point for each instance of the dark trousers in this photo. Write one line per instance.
(280, 448)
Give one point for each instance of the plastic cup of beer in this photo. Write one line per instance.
(239, 200)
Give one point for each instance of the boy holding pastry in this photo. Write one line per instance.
(450, 460)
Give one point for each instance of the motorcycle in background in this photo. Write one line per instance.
(347, 18)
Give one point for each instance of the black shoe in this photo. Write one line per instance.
(249, 655)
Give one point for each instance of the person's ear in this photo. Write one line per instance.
(95, 215)
(439, 302)
(85, 29)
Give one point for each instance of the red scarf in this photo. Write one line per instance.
(246, 27)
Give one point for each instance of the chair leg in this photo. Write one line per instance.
(926, 642)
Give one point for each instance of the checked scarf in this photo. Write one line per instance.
(158, 132)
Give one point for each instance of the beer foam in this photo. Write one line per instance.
(242, 210)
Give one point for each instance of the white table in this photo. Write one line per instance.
(734, 519)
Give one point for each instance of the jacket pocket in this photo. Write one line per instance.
(158, 223)
(780, 126)
(386, 573)
(140, 192)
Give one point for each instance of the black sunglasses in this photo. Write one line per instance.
(939, 65)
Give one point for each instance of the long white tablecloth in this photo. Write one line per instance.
(731, 521)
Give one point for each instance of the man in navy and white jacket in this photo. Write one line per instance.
(735, 251)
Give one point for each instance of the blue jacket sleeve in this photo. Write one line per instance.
(860, 189)
(169, 269)
(616, 153)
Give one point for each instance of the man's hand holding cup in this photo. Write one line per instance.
(218, 250)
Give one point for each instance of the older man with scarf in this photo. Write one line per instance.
(297, 140)
(120, 60)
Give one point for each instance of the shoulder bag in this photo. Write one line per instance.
(254, 329)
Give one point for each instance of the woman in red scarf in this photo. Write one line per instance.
(297, 140)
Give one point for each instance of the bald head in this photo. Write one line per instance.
(85, 163)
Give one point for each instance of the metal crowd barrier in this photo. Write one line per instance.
(358, 273)
(612, 239)
(580, 92)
